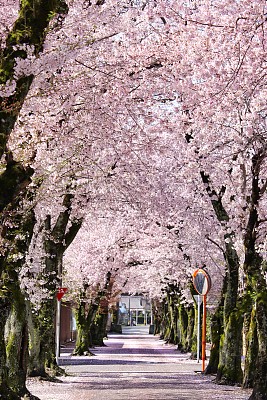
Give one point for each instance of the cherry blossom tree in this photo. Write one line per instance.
(225, 97)
(159, 106)
(22, 28)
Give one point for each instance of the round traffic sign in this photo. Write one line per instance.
(201, 281)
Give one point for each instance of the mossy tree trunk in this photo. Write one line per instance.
(167, 314)
(229, 369)
(176, 319)
(171, 318)
(157, 316)
(99, 326)
(92, 318)
(254, 268)
(165, 326)
(183, 327)
(17, 236)
(57, 238)
(16, 338)
(82, 345)
(217, 331)
(85, 316)
(30, 28)
(5, 307)
(160, 317)
(9, 284)
(14, 328)
(98, 329)
(35, 367)
(251, 338)
(260, 374)
(191, 337)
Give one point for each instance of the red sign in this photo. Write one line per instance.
(60, 292)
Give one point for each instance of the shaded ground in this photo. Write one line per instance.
(134, 365)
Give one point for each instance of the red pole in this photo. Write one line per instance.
(204, 333)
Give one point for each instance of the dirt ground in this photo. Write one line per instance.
(133, 365)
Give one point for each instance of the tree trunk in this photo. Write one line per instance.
(171, 326)
(56, 240)
(84, 320)
(183, 325)
(17, 238)
(229, 370)
(167, 323)
(217, 332)
(36, 366)
(157, 310)
(256, 287)
(15, 179)
(17, 344)
(98, 329)
(260, 377)
(251, 350)
(191, 337)
(5, 390)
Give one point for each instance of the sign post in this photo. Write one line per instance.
(199, 300)
(202, 284)
(204, 328)
(60, 294)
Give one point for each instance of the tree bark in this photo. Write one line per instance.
(5, 390)
(260, 377)
(217, 332)
(251, 351)
(229, 370)
(256, 288)
(30, 28)
(17, 236)
(190, 332)
(17, 342)
(98, 329)
(183, 326)
(56, 240)
(171, 323)
(157, 310)
(85, 316)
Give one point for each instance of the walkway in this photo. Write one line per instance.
(134, 365)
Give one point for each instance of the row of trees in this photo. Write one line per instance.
(133, 148)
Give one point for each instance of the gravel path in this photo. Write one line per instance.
(133, 365)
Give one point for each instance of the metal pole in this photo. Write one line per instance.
(198, 326)
(58, 330)
(58, 312)
(130, 315)
(204, 333)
